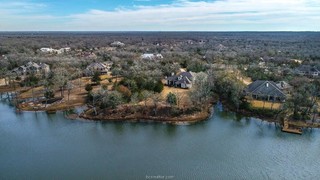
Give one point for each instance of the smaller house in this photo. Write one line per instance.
(284, 86)
(100, 67)
(151, 56)
(181, 80)
(265, 90)
(307, 70)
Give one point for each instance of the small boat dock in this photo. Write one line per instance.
(288, 129)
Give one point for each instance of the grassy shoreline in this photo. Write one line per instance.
(140, 117)
(183, 118)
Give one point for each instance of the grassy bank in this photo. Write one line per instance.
(138, 113)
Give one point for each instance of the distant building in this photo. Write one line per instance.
(265, 90)
(32, 68)
(46, 50)
(3, 57)
(181, 80)
(57, 51)
(100, 67)
(297, 61)
(117, 44)
(151, 56)
(307, 70)
(88, 55)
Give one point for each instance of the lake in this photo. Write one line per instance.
(48, 146)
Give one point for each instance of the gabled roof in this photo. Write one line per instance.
(31, 66)
(183, 77)
(19, 69)
(151, 56)
(183, 80)
(268, 88)
(44, 65)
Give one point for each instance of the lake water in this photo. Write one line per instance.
(41, 146)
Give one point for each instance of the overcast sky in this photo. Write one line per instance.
(159, 15)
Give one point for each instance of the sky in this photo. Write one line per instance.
(160, 15)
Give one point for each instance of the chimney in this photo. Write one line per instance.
(172, 74)
(267, 84)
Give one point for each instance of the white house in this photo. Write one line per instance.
(47, 50)
(58, 51)
(117, 44)
(148, 56)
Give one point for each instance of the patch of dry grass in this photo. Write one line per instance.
(2, 82)
(37, 91)
(182, 93)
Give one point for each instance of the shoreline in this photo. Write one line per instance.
(181, 120)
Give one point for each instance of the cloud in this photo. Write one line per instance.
(214, 15)
(26, 16)
(221, 15)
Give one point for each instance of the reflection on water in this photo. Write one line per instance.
(37, 145)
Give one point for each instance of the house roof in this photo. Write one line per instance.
(268, 88)
(147, 56)
(183, 80)
(183, 77)
(117, 43)
(30, 66)
(44, 65)
(187, 74)
(151, 56)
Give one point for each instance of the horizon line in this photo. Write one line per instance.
(112, 31)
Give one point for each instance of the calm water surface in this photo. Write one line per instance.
(41, 146)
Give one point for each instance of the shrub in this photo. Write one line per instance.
(88, 87)
(158, 87)
(171, 99)
(124, 91)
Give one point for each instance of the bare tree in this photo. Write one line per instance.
(179, 97)
(78, 74)
(145, 95)
(69, 87)
(61, 76)
(201, 91)
(156, 98)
